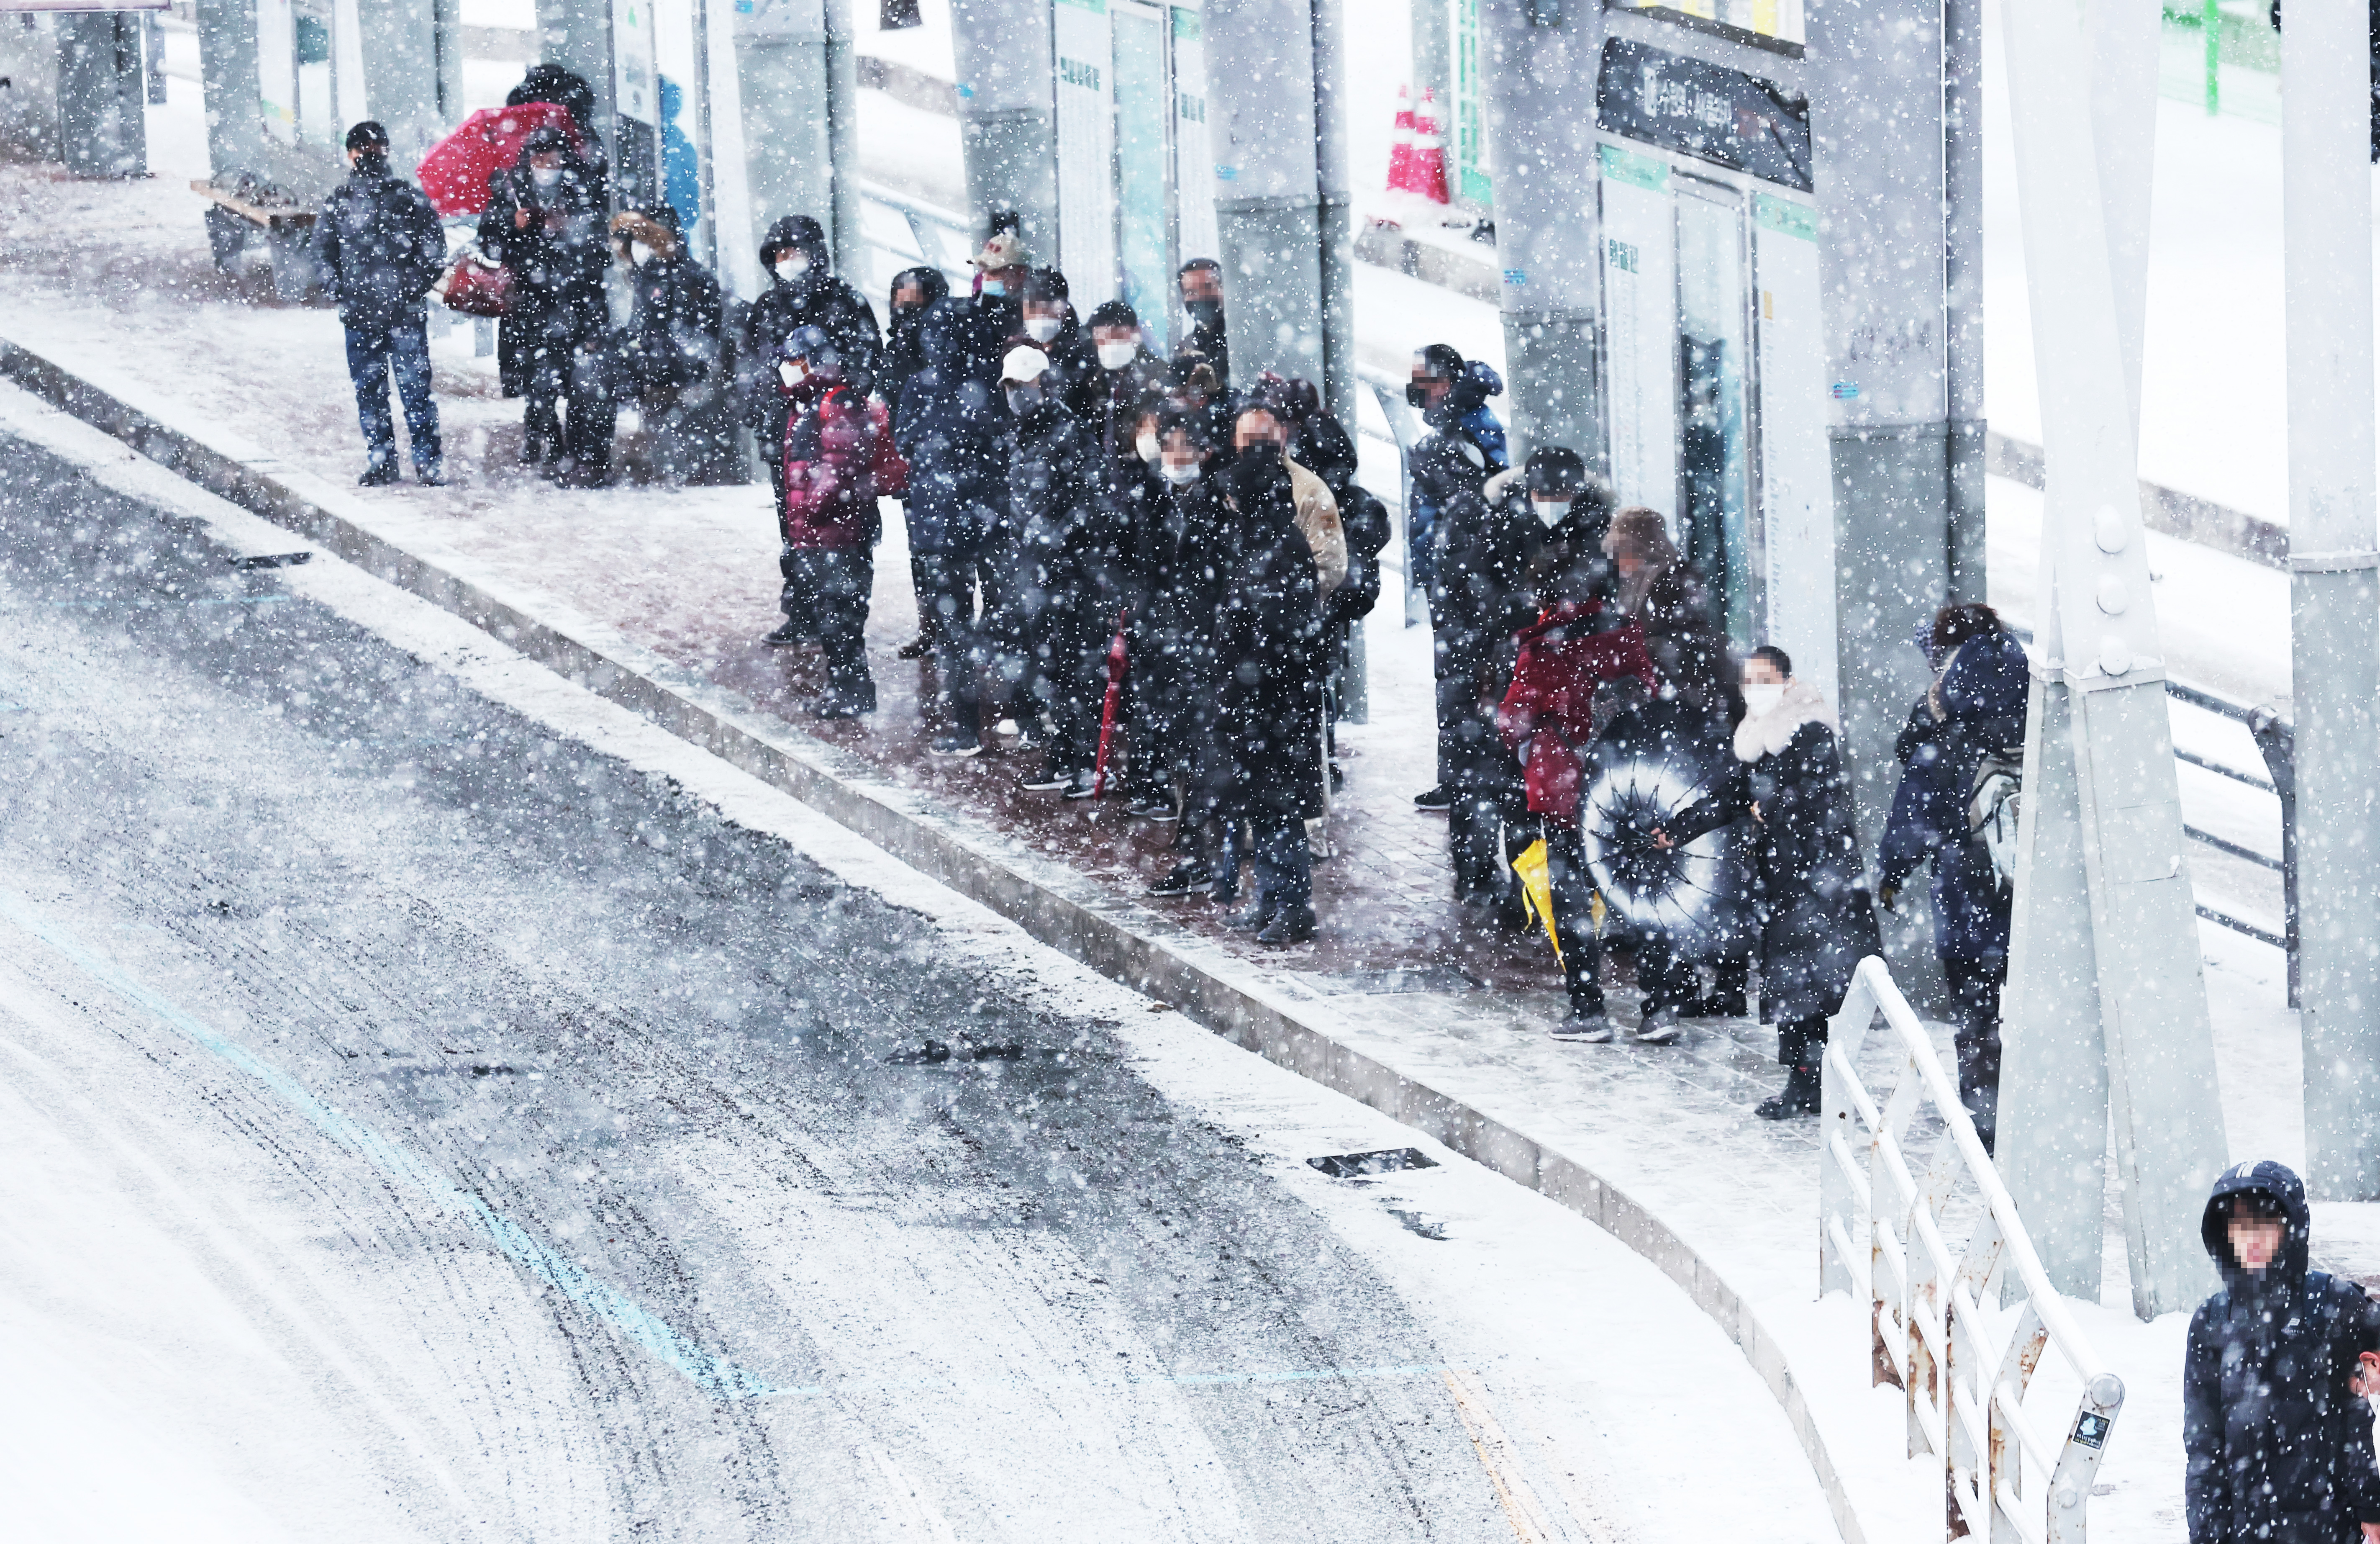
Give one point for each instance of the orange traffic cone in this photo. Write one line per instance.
(1430, 152)
(1400, 146)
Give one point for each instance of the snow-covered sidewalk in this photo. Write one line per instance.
(113, 282)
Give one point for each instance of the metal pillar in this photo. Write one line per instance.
(227, 73)
(1000, 50)
(1334, 184)
(1262, 132)
(1962, 288)
(400, 54)
(103, 120)
(2334, 599)
(1549, 237)
(798, 158)
(576, 34)
(2101, 820)
(1876, 68)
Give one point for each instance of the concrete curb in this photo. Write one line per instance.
(1056, 905)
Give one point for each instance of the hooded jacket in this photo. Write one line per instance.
(816, 300)
(1269, 654)
(379, 245)
(1978, 705)
(836, 445)
(905, 343)
(2279, 1450)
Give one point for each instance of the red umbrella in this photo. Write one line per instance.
(456, 172)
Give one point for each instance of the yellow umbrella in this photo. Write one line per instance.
(1537, 889)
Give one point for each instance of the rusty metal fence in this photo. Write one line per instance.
(1961, 1331)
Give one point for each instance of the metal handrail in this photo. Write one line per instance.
(1879, 1234)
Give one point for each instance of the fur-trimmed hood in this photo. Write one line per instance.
(1767, 734)
(632, 225)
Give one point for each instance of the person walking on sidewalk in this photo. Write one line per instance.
(1974, 711)
(834, 460)
(2275, 1379)
(380, 247)
(545, 224)
(1548, 716)
(1816, 921)
(1270, 660)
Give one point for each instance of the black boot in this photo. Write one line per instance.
(1799, 1047)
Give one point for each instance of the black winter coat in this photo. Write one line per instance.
(1978, 706)
(904, 343)
(952, 419)
(820, 300)
(557, 259)
(671, 339)
(1271, 660)
(1809, 891)
(1494, 556)
(1064, 543)
(380, 246)
(1179, 568)
(2279, 1450)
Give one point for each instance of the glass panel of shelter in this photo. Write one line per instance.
(1715, 523)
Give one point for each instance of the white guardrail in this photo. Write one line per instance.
(1964, 1368)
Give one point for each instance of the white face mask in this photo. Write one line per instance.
(1550, 511)
(1115, 356)
(639, 254)
(793, 265)
(792, 373)
(1762, 699)
(1148, 447)
(1041, 329)
(1181, 475)
(545, 176)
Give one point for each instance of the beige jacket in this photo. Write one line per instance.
(1317, 521)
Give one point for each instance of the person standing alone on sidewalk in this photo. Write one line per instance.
(381, 249)
(2274, 1381)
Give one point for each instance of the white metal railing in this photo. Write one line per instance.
(1963, 1369)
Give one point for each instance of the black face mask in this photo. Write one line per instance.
(1205, 314)
(1416, 394)
(1253, 474)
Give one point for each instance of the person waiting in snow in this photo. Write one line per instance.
(545, 224)
(1567, 659)
(380, 249)
(1809, 892)
(1128, 373)
(1270, 660)
(1448, 464)
(802, 292)
(668, 354)
(1062, 545)
(1975, 710)
(2276, 1377)
(1184, 575)
(1050, 323)
(914, 289)
(1669, 597)
(837, 459)
(1201, 283)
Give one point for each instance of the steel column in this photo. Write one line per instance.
(785, 74)
(103, 118)
(1262, 131)
(1549, 228)
(2334, 598)
(2102, 815)
(1962, 287)
(1000, 50)
(401, 63)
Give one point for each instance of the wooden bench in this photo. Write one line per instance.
(234, 222)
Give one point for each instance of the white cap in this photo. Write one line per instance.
(1024, 365)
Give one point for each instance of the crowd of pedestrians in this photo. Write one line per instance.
(1147, 572)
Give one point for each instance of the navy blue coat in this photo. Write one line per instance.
(952, 423)
(380, 246)
(2279, 1450)
(1978, 706)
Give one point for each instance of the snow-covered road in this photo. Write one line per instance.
(434, 1104)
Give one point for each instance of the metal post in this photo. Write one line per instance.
(2103, 810)
(2276, 741)
(400, 54)
(1261, 131)
(782, 83)
(152, 52)
(103, 122)
(227, 75)
(1541, 78)
(2334, 589)
(1875, 73)
(576, 34)
(1962, 288)
(1000, 50)
(1333, 182)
